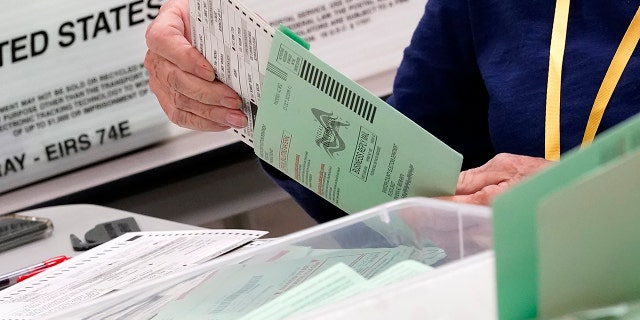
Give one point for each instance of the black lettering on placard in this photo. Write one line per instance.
(338, 16)
(114, 132)
(154, 6)
(12, 164)
(116, 14)
(83, 142)
(67, 37)
(24, 47)
(135, 12)
(73, 100)
(67, 147)
(85, 28)
(18, 48)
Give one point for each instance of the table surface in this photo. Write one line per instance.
(76, 219)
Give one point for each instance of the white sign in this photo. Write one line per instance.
(73, 89)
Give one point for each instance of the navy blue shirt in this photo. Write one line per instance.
(475, 76)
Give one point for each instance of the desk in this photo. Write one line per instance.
(76, 219)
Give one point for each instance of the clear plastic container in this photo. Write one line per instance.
(433, 232)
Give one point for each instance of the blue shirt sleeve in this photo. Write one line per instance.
(439, 86)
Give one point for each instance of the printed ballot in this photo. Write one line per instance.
(258, 290)
(314, 123)
(132, 259)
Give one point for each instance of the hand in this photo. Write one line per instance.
(183, 80)
(480, 185)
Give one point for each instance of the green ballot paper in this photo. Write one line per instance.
(588, 240)
(339, 140)
(515, 227)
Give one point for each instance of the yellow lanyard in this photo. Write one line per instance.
(611, 78)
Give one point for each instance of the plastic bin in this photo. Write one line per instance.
(434, 232)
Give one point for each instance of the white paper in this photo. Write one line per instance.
(235, 291)
(130, 259)
(237, 43)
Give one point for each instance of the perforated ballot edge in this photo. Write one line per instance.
(237, 43)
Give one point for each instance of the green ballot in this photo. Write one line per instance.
(515, 217)
(339, 140)
(588, 241)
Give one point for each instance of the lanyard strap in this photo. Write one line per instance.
(611, 78)
(556, 55)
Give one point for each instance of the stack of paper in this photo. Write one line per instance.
(129, 260)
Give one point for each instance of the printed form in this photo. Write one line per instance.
(133, 258)
(334, 284)
(315, 124)
(237, 43)
(237, 290)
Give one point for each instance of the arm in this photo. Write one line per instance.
(184, 83)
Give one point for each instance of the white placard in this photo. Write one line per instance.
(360, 38)
(73, 87)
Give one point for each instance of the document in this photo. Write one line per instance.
(236, 290)
(133, 258)
(237, 43)
(314, 123)
(334, 284)
(341, 141)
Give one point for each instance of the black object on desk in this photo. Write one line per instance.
(104, 232)
(16, 230)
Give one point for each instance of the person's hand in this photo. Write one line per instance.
(183, 80)
(480, 185)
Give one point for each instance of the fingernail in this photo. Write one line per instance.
(236, 120)
(206, 73)
(231, 103)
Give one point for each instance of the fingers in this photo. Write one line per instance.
(168, 36)
(183, 80)
(473, 180)
(191, 102)
(482, 197)
(504, 167)
(183, 117)
(172, 77)
(481, 185)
